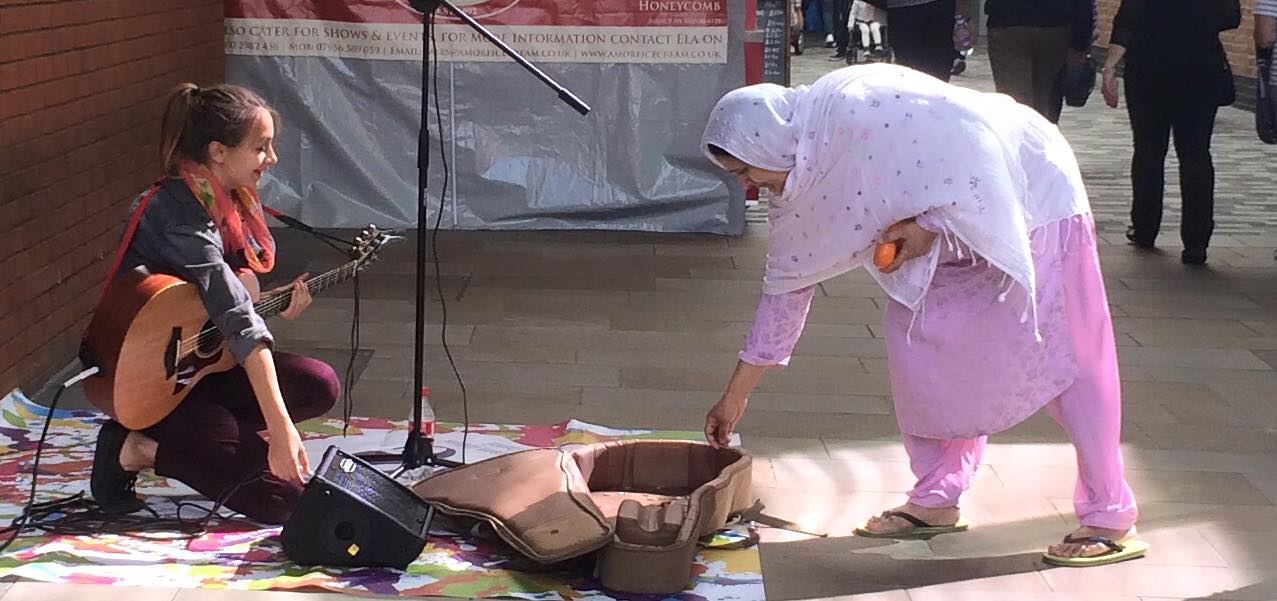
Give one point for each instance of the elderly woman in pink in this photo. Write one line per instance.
(997, 306)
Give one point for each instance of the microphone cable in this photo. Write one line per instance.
(434, 240)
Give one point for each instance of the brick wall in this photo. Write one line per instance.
(82, 85)
(1238, 42)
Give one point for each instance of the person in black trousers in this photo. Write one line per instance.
(922, 34)
(838, 24)
(1176, 78)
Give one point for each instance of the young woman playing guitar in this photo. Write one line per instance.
(203, 224)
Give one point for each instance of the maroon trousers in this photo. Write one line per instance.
(211, 442)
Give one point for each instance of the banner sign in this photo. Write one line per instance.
(605, 31)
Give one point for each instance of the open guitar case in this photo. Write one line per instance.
(640, 505)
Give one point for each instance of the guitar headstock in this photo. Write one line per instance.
(367, 243)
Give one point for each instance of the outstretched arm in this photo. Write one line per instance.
(778, 323)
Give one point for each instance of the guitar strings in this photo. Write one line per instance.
(280, 301)
(276, 302)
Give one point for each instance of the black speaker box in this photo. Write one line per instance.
(351, 514)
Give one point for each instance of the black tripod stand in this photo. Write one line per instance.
(419, 450)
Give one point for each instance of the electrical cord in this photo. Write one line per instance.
(297, 224)
(434, 237)
(348, 381)
(348, 388)
(23, 520)
(76, 515)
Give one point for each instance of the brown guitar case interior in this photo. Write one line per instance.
(641, 504)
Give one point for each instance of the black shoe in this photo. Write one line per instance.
(111, 484)
(797, 44)
(1137, 241)
(1193, 256)
(959, 66)
(839, 55)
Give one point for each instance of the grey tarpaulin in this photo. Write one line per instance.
(518, 157)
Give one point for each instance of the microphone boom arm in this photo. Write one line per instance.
(429, 6)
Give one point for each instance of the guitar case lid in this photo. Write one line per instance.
(641, 504)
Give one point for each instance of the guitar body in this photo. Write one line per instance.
(144, 335)
(153, 341)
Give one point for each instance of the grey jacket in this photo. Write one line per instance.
(176, 236)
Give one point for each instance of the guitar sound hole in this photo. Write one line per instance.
(210, 340)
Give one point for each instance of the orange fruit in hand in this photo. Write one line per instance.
(884, 254)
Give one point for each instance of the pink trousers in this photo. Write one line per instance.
(1090, 411)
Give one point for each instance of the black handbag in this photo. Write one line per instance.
(1077, 81)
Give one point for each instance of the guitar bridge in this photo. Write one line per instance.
(171, 353)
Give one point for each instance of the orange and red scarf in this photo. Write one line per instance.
(234, 213)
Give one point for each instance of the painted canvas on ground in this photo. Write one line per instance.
(241, 555)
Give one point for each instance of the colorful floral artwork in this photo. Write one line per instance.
(241, 555)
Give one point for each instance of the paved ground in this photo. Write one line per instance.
(641, 330)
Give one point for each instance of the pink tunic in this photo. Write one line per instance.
(968, 363)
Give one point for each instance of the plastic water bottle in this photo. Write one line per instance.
(427, 414)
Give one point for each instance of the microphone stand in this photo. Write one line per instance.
(419, 450)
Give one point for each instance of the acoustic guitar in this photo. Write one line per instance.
(153, 340)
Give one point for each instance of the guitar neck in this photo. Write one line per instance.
(275, 303)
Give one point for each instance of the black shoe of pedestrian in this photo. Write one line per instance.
(797, 44)
(1137, 241)
(839, 55)
(111, 484)
(959, 66)
(1193, 256)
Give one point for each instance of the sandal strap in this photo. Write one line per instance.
(912, 519)
(1098, 540)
